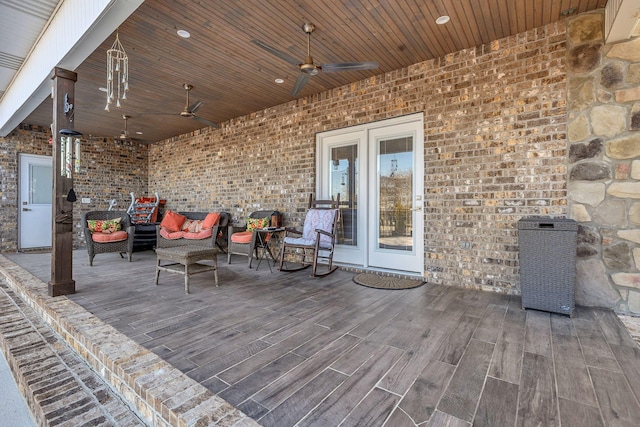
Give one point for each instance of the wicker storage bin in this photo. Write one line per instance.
(547, 263)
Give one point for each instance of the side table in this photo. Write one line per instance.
(185, 261)
(262, 249)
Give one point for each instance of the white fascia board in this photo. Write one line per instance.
(72, 34)
(621, 18)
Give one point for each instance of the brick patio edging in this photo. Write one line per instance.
(157, 391)
(59, 387)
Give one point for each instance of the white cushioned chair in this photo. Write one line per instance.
(314, 245)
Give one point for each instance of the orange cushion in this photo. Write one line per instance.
(172, 221)
(116, 236)
(203, 234)
(242, 237)
(211, 219)
(171, 235)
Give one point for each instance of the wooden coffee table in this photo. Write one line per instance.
(185, 261)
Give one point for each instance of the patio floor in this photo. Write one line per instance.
(287, 349)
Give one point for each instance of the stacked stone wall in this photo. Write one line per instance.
(495, 151)
(109, 170)
(604, 158)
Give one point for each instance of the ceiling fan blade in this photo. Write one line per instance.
(303, 79)
(272, 50)
(206, 122)
(349, 66)
(194, 107)
(156, 114)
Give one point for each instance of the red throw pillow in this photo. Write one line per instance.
(211, 219)
(173, 221)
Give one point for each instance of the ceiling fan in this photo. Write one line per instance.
(191, 110)
(124, 135)
(308, 68)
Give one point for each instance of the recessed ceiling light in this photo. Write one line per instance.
(279, 81)
(443, 20)
(102, 89)
(184, 34)
(138, 132)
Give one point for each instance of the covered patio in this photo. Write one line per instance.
(287, 349)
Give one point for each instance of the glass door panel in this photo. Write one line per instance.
(396, 226)
(344, 180)
(395, 194)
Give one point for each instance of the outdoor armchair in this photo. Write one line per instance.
(108, 232)
(243, 240)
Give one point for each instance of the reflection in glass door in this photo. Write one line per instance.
(344, 179)
(395, 194)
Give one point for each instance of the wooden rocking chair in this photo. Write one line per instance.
(317, 239)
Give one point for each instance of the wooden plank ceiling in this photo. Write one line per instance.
(234, 77)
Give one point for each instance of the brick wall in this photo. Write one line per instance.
(110, 170)
(495, 150)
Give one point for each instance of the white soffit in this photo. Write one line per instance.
(73, 31)
(15, 43)
(620, 19)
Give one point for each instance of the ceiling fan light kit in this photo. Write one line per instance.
(308, 68)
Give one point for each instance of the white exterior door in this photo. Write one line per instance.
(378, 170)
(35, 210)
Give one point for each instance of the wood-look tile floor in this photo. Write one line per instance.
(290, 350)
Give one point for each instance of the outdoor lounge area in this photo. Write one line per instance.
(485, 151)
(288, 349)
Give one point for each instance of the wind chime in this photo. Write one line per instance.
(70, 152)
(117, 73)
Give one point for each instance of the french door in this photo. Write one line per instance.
(35, 211)
(378, 170)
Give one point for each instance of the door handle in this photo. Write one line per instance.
(419, 208)
(26, 209)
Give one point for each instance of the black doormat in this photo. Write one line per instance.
(386, 282)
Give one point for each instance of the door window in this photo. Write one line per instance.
(395, 193)
(344, 179)
(40, 184)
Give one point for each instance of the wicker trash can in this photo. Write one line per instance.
(547, 263)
